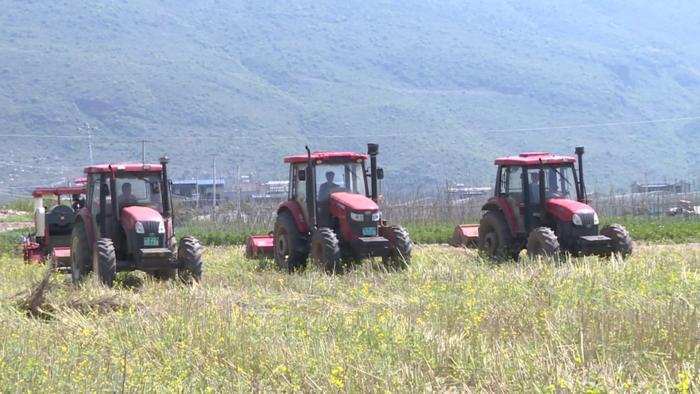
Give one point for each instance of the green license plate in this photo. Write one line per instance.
(150, 241)
(369, 231)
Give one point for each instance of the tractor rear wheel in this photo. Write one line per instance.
(542, 242)
(325, 251)
(288, 244)
(622, 242)
(105, 264)
(80, 255)
(401, 247)
(189, 256)
(495, 240)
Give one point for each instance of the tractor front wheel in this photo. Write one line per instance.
(542, 242)
(105, 264)
(622, 242)
(189, 256)
(495, 240)
(325, 251)
(79, 253)
(288, 244)
(401, 247)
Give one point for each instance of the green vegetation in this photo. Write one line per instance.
(25, 205)
(643, 229)
(451, 321)
(251, 82)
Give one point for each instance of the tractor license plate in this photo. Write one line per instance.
(369, 231)
(150, 241)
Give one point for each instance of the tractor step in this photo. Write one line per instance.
(595, 244)
(370, 246)
(465, 235)
(154, 258)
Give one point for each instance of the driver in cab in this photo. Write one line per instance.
(324, 192)
(126, 198)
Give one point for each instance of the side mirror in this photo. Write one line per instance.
(380, 173)
(302, 175)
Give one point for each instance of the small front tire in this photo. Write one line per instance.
(542, 242)
(325, 251)
(189, 256)
(80, 253)
(401, 248)
(622, 243)
(105, 264)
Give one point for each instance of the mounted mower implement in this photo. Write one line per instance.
(334, 219)
(50, 240)
(540, 205)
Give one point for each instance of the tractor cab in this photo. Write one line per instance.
(332, 215)
(539, 204)
(536, 185)
(322, 182)
(127, 222)
(127, 205)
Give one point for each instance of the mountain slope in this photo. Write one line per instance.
(252, 81)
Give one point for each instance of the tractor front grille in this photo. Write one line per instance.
(586, 218)
(150, 227)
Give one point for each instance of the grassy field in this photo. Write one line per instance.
(451, 321)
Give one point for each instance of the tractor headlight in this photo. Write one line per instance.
(595, 219)
(139, 228)
(358, 217)
(377, 216)
(161, 228)
(576, 220)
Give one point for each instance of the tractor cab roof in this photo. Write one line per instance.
(332, 157)
(123, 167)
(533, 159)
(58, 191)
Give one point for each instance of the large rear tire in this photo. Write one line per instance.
(80, 253)
(105, 263)
(495, 240)
(622, 243)
(401, 248)
(325, 251)
(189, 256)
(542, 242)
(289, 244)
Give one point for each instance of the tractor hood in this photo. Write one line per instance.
(564, 209)
(353, 202)
(133, 214)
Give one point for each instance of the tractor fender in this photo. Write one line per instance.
(294, 208)
(85, 216)
(500, 204)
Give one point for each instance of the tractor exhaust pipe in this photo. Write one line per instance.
(581, 185)
(373, 151)
(542, 192)
(310, 188)
(167, 208)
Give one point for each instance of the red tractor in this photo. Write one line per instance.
(540, 205)
(332, 215)
(127, 224)
(50, 240)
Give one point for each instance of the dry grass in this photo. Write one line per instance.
(450, 322)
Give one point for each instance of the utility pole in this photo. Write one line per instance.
(213, 205)
(89, 128)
